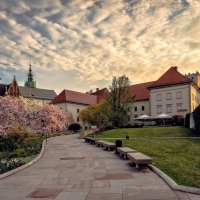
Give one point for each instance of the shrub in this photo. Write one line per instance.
(196, 116)
(187, 120)
(106, 128)
(18, 153)
(75, 127)
(17, 134)
(6, 144)
(178, 120)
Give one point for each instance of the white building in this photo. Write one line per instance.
(74, 102)
(173, 94)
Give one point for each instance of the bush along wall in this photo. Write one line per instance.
(196, 116)
(187, 120)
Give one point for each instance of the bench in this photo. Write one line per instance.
(90, 140)
(124, 150)
(139, 160)
(109, 145)
(99, 143)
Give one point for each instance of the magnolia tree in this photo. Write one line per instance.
(30, 115)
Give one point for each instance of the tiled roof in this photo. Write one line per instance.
(170, 77)
(37, 93)
(75, 97)
(140, 91)
(100, 94)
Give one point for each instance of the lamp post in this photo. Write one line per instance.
(43, 121)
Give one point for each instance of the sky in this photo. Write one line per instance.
(81, 44)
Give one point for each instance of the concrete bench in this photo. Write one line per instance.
(139, 160)
(109, 145)
(124, 150)
(90, 140)
(99, 143)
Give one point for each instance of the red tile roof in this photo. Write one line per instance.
(100, 94)
(140, 91)
(170, 77)
(75, 97)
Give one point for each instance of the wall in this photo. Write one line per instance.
(139, 111)
(72, 107)
(179, 106)
(195, 97)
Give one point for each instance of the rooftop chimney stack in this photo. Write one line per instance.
(97, 89)
(175, 67)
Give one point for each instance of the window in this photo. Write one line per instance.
(179, 95)
(135, 108)
(159, 109)
(78, 110)
(169, 108)
(85, 127)
(159, 97)
(169, 96)
(77, 119)
(142, 108)
(135, 116)
(179, 106)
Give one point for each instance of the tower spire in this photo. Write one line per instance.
(30, 82)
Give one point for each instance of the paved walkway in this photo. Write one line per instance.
(71, 169)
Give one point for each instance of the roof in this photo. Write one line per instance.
(170, 77)
(100, 94)
(140, 91)
(75, 97)
(37, 93)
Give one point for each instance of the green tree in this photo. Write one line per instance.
(92, 115)
(118, 101)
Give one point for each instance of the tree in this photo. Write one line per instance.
(119, 101)
(30, 115)
(92, 115)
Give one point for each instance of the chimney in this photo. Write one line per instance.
(91, 91)
(175, 67)
(97, 89)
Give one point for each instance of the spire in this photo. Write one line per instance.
(30, 83)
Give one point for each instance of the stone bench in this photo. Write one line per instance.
(90, 140)
(99, 143)
(124, 150)
(139, 160)
(109, 145)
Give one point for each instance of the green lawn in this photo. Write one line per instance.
(178, 158)
(174, 131)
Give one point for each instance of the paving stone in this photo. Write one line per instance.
(149, 194)
(71, 195)
(116, 176)
(103, 196)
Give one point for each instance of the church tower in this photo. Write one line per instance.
(30, 82)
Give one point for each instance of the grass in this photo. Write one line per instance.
(178, 158)
(174, 131)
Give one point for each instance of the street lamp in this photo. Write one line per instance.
(43, 121)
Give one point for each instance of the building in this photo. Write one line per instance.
(74, 102)
(173, 94)
(28, 91)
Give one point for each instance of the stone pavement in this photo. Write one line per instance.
(71, 169)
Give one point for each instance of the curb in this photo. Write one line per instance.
(26, 165)
(172, 183)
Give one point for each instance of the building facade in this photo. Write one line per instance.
(29, 90)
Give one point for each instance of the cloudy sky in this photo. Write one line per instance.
(80, 44)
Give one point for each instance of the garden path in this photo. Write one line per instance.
(71, 169)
